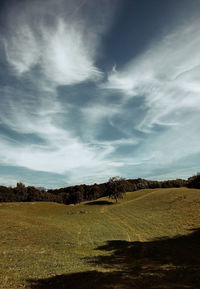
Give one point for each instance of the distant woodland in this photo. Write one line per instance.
(80, 193)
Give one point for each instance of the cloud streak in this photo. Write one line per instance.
(166, 76)
(145, 116)
(48, 46)
(63, 43)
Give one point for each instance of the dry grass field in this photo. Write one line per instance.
(149, 239)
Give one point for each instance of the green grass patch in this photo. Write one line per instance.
(41, 241)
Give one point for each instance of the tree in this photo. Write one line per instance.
(116, 188)
(194, 181)
(21, 192)
(78, 197)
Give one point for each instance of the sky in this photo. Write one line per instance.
(91, 89)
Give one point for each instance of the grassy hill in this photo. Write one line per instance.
(147, 240)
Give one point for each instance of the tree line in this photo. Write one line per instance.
(79, 193)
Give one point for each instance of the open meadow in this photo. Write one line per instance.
(149, 239)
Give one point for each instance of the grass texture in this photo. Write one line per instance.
(134, 243)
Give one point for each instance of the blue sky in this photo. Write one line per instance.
(95, 89)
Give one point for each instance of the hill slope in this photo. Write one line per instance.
(44, 240)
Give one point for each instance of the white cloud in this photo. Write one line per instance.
(63, 43)
(167, 76)
(22, 49)
(62, 46)
(67, 57)
(60, 152)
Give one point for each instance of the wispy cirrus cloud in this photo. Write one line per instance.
(48, 46)
(166, 77)
(60, 39)
(59, 115)
(60, 151)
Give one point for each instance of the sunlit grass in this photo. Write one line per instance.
(38, 240)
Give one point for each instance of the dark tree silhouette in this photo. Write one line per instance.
(21, 191)
(116, 188)
(194, 181)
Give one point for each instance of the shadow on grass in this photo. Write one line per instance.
(99, 203)
(162, 263)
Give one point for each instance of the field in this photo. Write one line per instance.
(150, 239)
